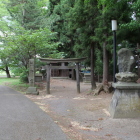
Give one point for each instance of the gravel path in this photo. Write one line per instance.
(84, 116)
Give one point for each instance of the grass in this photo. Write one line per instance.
(4, 81)
(14, 83)
(2, 73)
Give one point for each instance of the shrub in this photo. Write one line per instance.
(24, 77)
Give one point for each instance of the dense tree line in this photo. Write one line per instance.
(68, 28)
(84, 27)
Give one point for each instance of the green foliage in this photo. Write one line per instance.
(28, 13)
(106, 4)
(81, 25)
(32, 43)
(21, 72)
(25, 35)
(24, 76)
(29, 44)
(57, 22)
(134, 24)
(14, 83)
(68, 28)
(17, 70)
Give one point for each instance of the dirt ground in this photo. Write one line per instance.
(84, 116)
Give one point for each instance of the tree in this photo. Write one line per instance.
(5, 63)
(74, 22)
(108, 11)
(58, 22)
(28, 38)
(31, 44)
(28, 13)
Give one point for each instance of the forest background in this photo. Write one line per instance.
(66, 29)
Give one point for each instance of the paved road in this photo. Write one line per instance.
(21, 119)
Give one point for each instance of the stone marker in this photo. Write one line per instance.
(126, 61)
(126, 99)
(31, 72)
(126, 64)
(32, 89)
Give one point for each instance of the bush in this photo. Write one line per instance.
(16, 70)
(24, 77)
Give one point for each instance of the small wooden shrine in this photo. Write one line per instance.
(61, 67)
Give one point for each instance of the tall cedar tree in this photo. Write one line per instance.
(26, 12)
(74, 22)
(108, 11)
(58, 22)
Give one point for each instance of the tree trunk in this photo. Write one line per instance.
(98, 78)
(105, 64)
(93, 84)
(138, 47)
(7, 72)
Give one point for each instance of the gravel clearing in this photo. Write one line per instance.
(84, 116)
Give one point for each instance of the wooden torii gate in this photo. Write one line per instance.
(49, 67)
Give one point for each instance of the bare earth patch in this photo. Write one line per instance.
(83, 116)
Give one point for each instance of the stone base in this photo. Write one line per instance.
(125, 101)
(38, 78)
(32, 90)
(126, 77)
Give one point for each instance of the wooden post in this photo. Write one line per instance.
(77, 77)
(93, 84)
(138, 47)
(73, 74)
(48, 79)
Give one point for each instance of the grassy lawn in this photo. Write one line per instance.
(2, 73)
(14, 83)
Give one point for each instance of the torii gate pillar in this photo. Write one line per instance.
(77, 78)
(48, 79)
